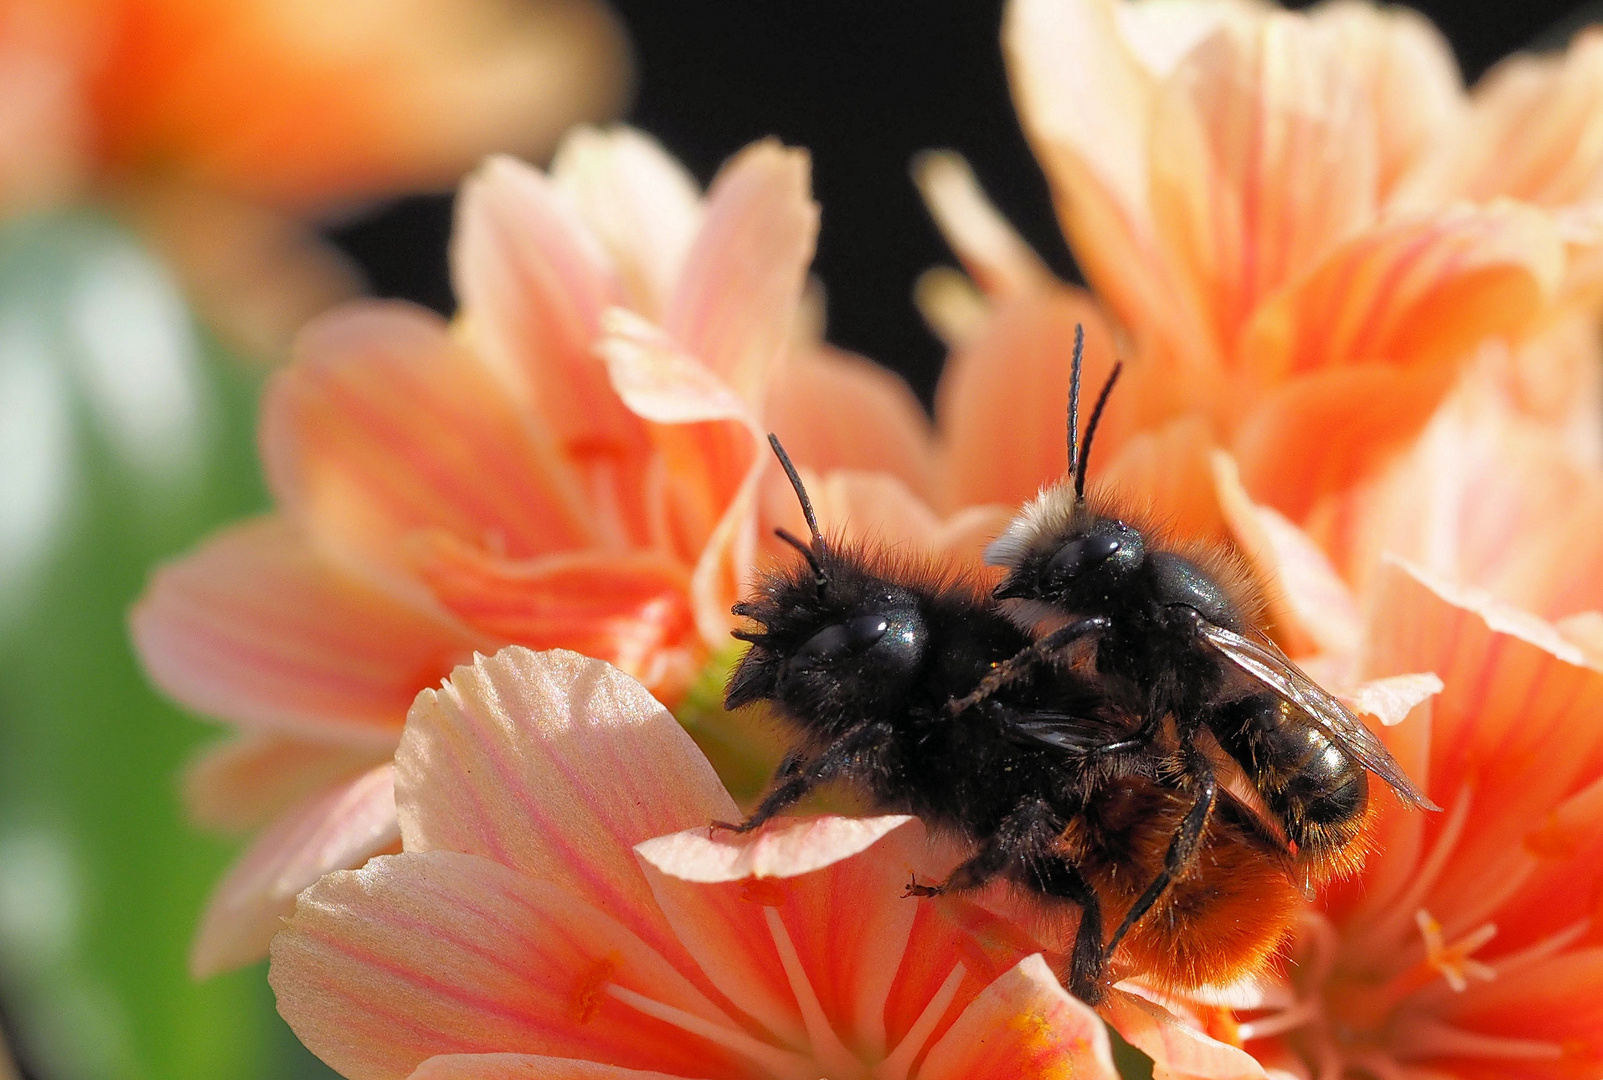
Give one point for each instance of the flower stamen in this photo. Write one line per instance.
(1430, 1038)
(1453, 962)
(1384, 937)
(900, 1061)
(827, 1048)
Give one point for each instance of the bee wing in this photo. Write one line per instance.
(1267, 664)
(1060, 731)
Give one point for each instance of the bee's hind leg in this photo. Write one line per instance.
(1181, 848)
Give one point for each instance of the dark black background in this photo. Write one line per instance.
(864, 85)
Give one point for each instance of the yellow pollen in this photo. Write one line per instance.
(590, 988)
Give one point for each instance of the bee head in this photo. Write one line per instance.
(835, 638)
(830, 656)
(1058, 550)
(1077, 564)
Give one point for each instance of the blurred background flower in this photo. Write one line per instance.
(163, 167)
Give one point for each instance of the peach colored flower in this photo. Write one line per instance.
(559, 911)
(213, 124)
(1239, 187)
(444, 490)
(1489, 496)
(1468, 946)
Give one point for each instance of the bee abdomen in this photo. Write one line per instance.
(1318, 792)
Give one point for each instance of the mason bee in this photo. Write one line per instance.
(1181, 625)
(874, 661)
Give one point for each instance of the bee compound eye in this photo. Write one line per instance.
(864, 630)
(1080, 554)
(838, 640)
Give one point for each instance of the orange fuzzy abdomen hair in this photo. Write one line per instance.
(1223, 918)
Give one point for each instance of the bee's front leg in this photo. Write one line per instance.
(796, 776)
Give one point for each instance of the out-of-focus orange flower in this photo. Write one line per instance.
(1242, 188)
(573, 464)
(214, 123)
(560, 911)
(1469, 944)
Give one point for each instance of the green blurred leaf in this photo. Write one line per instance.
(124, 437)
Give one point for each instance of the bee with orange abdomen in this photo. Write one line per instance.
(877, 665)
(1181, 625)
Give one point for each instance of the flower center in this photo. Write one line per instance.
(826, 1056)
(1348, 1019)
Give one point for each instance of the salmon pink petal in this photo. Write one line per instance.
(432, 953)
(995, 255)
(1001, 402)
(307, 107)
(642, 205)
(1364, 416)
(741, 285)
(1085, 101)
(1263, 161)
(1554, 1003)
(1510, 740)
(243, 781)
(1537, 129)
(524, 1067)
(1563, 892)
(1391, 700)
(708, 441)
(1177, 1050)
(385, 426)
(863, 507)
(1313, 610)
(258, 628)
(838, 411)
(335, 829)
(1487, 496)
(556, 765)
(536, 280)
(629, 609)
(798, 848)
(1422, 289)
(955, 950)
(791, 924)
(1165, 473)
(965, 535)
(1024, 1024)
(1416, 93)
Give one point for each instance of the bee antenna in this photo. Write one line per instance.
(809, 552)
(1090, 429)
(819, 577)
(1074, 398)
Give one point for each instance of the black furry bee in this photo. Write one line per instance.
(1180, 624)
(878, 665)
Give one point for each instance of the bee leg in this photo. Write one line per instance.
(1017, 842)
(797, 779)
(1181, 848)
(1018, 665)
(1057, 876)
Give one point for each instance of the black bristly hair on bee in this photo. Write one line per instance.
(862, 653)
(1179, 622)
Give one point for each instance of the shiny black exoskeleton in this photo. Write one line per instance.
(1169, 625)
(864, 657)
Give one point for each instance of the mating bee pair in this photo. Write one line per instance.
(1108, 728)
